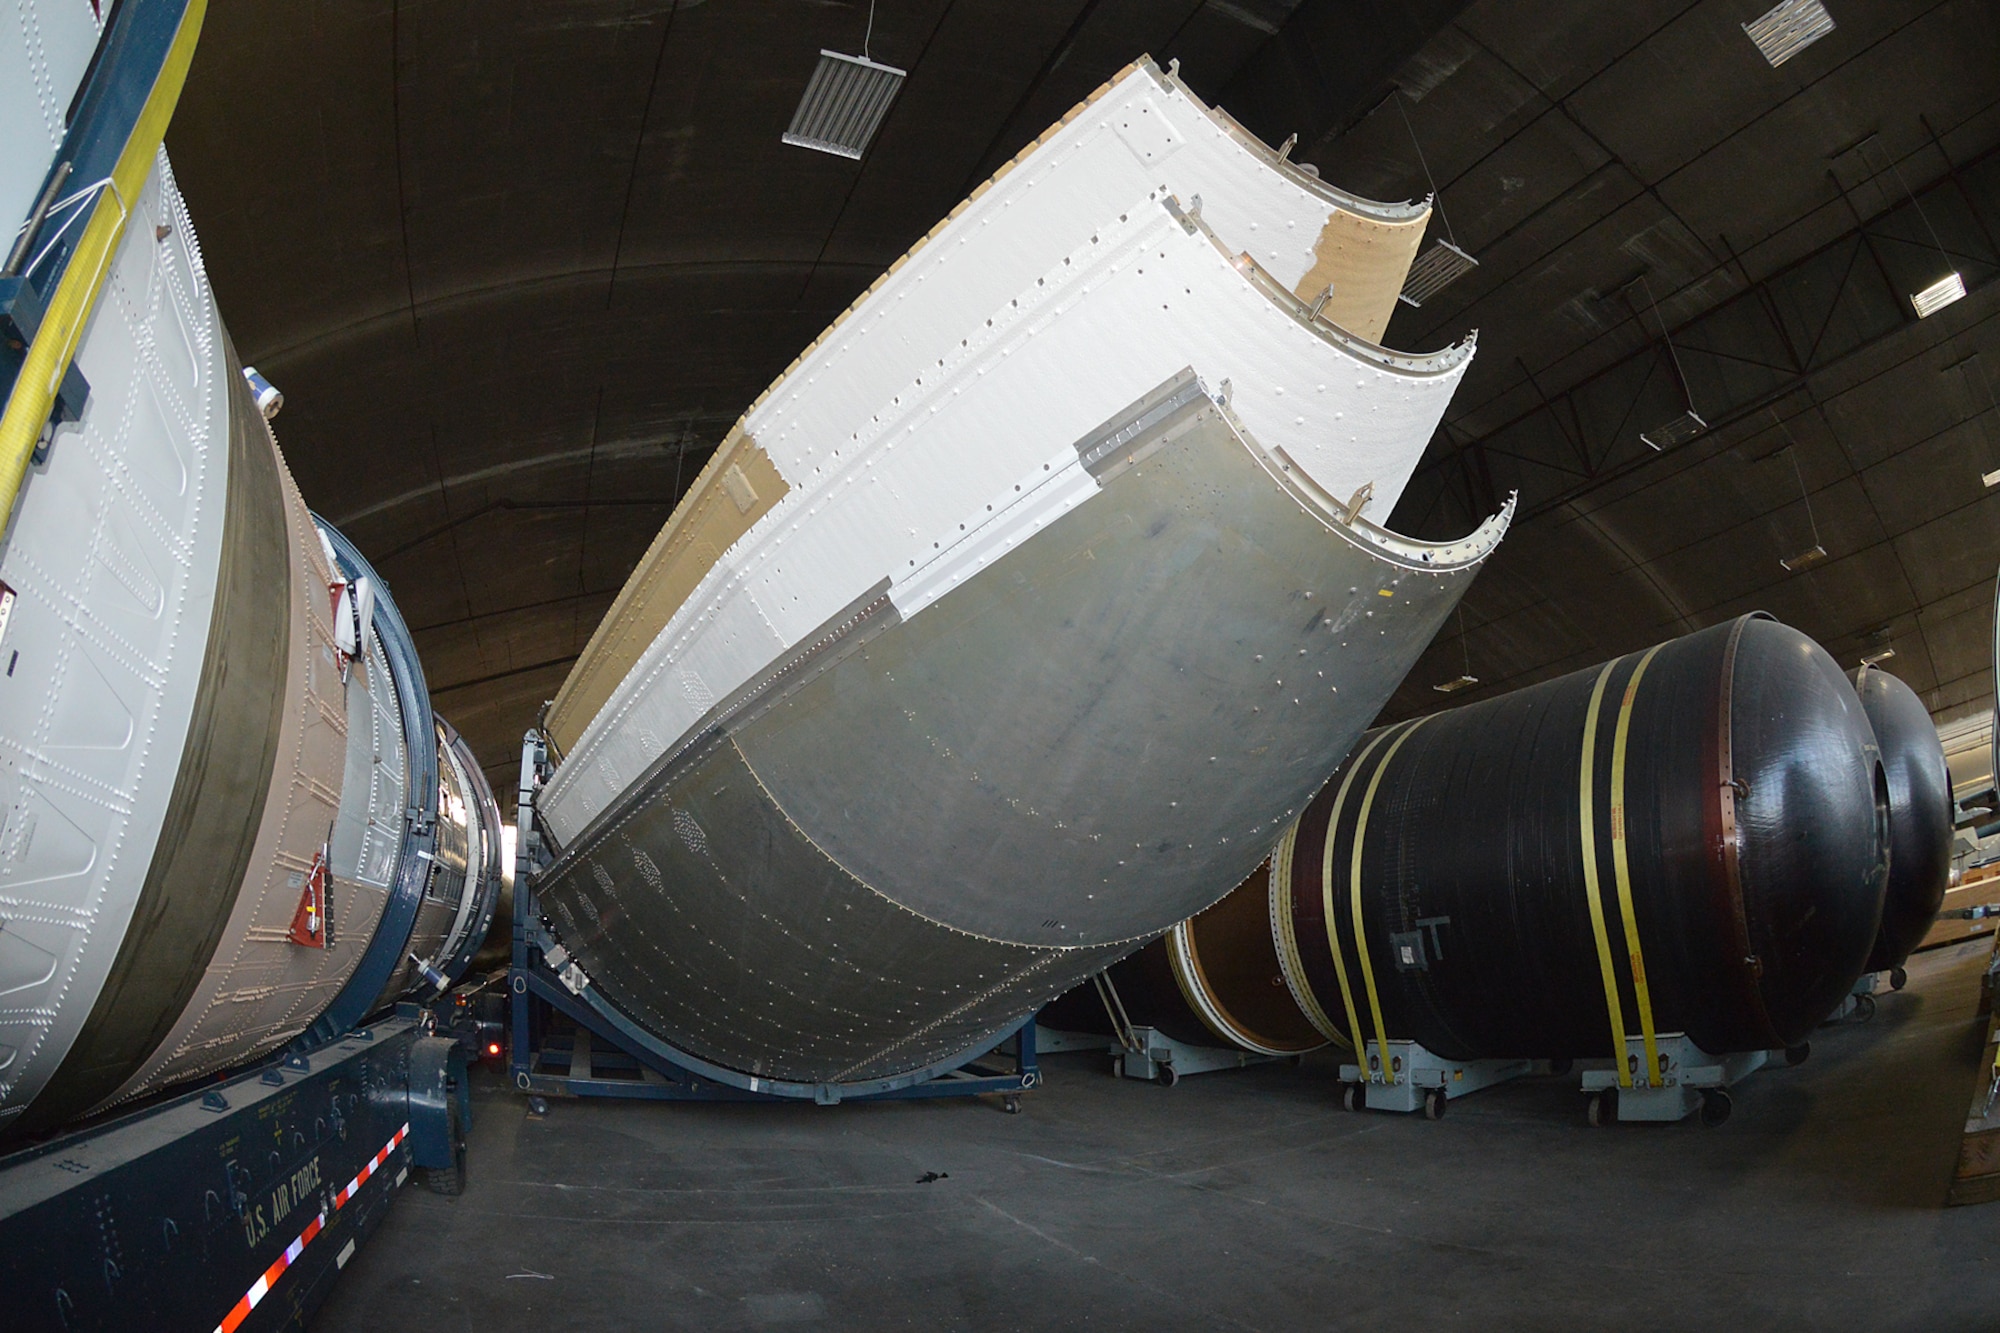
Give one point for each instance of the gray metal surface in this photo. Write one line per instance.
(708, 918)
(1106, 732)
(926, 828)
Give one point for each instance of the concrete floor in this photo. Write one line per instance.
(1242, 1200)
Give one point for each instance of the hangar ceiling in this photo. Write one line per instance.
(519, 267)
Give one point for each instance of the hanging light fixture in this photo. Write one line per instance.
(1444, 263)
(1949, 288)
(1466, 680)
(1788, 29)
(845, 101)
(1815, 553)
(1680, 429)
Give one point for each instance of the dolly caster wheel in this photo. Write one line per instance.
(1434, 1101)
(538, 1107)
(1011, 1105)
(1898, 978)
(1715, 1106)
(1799, 1054)
(1601, 1109)
(1350, 1096)
(1167, 1076)
(1864, 1008)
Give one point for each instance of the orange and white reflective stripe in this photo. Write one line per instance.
(269, 1277)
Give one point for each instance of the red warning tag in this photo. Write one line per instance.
(335, 593)
(310, 921)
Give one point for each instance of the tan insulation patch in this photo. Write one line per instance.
(1366, 262)
(739, 486)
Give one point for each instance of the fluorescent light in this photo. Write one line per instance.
(1789, 29)
(1436, 269)
(1991, 478)
(1938, 295)
(1804, 559)
(1678, 431)
(1876, 659)
(1454, 686)
(844, 104)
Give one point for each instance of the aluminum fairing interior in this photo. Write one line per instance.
(913, 831)
(1122, 246)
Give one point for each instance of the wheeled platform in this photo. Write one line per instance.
(1689, 1081)
(1418, 1079)
(1858, 1005)
(235, 1206)
(1156, 1057)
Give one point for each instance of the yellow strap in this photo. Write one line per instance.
(68, 309)
(1355, 1039)
(1360, 940)
(1587, 800)
(1622, 869)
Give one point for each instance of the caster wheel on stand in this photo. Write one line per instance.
(1898, 978)
(1799, 1054)
(1864, 1008)
(1434, 1102)
(1167, 1076)
(1601, 1109)
(1011, 1105)
(1715, 1106)
(1351, 1097)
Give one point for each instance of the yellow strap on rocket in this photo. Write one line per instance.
(1356, 1040)
(68, 307)
(1621, 868)
(1360, 938)
(1587, 824)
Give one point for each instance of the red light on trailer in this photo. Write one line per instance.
(493, 1048)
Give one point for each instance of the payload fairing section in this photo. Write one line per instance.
(226, 811)
(1013, 621)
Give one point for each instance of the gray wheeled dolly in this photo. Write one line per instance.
(1418, 1079)
(1690, 1080)
(1155, 1056)
(1858, 1005)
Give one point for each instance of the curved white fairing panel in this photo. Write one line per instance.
(1105, 259)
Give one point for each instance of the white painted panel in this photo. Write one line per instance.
(1053, 300)
(44, 47)
(1140, 300)
(113, 553)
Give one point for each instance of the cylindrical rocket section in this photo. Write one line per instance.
(218, 769)
(1213, 980)
(465, 804)
(1920, 813)
(1691, 839)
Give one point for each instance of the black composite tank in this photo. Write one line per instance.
(1730, 839)
(1920, 814)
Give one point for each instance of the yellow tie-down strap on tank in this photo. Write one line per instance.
(1621, 873)
(1361, 939)
(68, 308)
(1355, 1039)
(1354, 903)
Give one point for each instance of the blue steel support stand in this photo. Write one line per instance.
(561, 1045)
